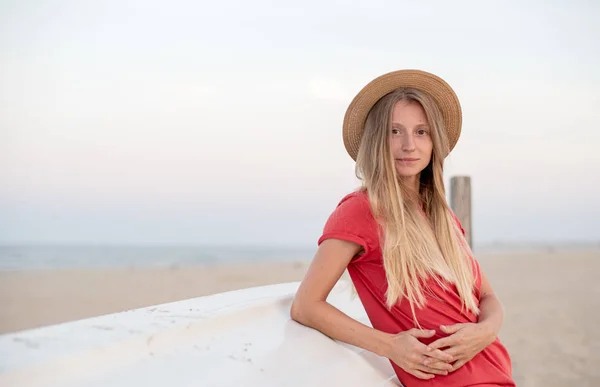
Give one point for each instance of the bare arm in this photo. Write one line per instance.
(491, 309)
(311, 309)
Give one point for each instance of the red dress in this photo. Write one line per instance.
(352, 220)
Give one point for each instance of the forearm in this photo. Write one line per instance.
(491, 314)
(332, 322)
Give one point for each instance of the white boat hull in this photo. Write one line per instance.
(238, 338)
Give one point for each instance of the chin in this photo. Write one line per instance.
(408, 172)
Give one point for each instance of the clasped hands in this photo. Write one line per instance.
(442, 356)
(465, 340)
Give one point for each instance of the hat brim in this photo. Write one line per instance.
(437, 88)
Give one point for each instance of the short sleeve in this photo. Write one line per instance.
(353, 221)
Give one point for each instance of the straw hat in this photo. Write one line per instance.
(437, 88)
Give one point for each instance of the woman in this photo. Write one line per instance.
(432, 310)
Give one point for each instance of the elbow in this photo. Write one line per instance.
(296, 311)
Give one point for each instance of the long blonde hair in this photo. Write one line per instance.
(415, 247)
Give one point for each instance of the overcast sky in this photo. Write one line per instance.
(220, 122)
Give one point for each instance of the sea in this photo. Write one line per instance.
(39, 257)
(34, 257)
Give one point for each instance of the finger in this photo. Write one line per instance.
(438, 355)
(456, 351)
(458, 364)
(430, 370)
(421, 333)
(451, 328)
(439, 365)
(421, 375)
(443, 342)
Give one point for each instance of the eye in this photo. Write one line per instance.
(395, 131)
(422, 132)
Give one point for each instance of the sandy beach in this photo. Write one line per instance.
(551, 299)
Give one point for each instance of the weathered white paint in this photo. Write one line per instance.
(239, 338)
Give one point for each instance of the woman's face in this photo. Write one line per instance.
(410, 138)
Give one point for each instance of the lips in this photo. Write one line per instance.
(407, 159)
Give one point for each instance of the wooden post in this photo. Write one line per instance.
(460, 202)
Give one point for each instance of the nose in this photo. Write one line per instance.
(408, 145)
